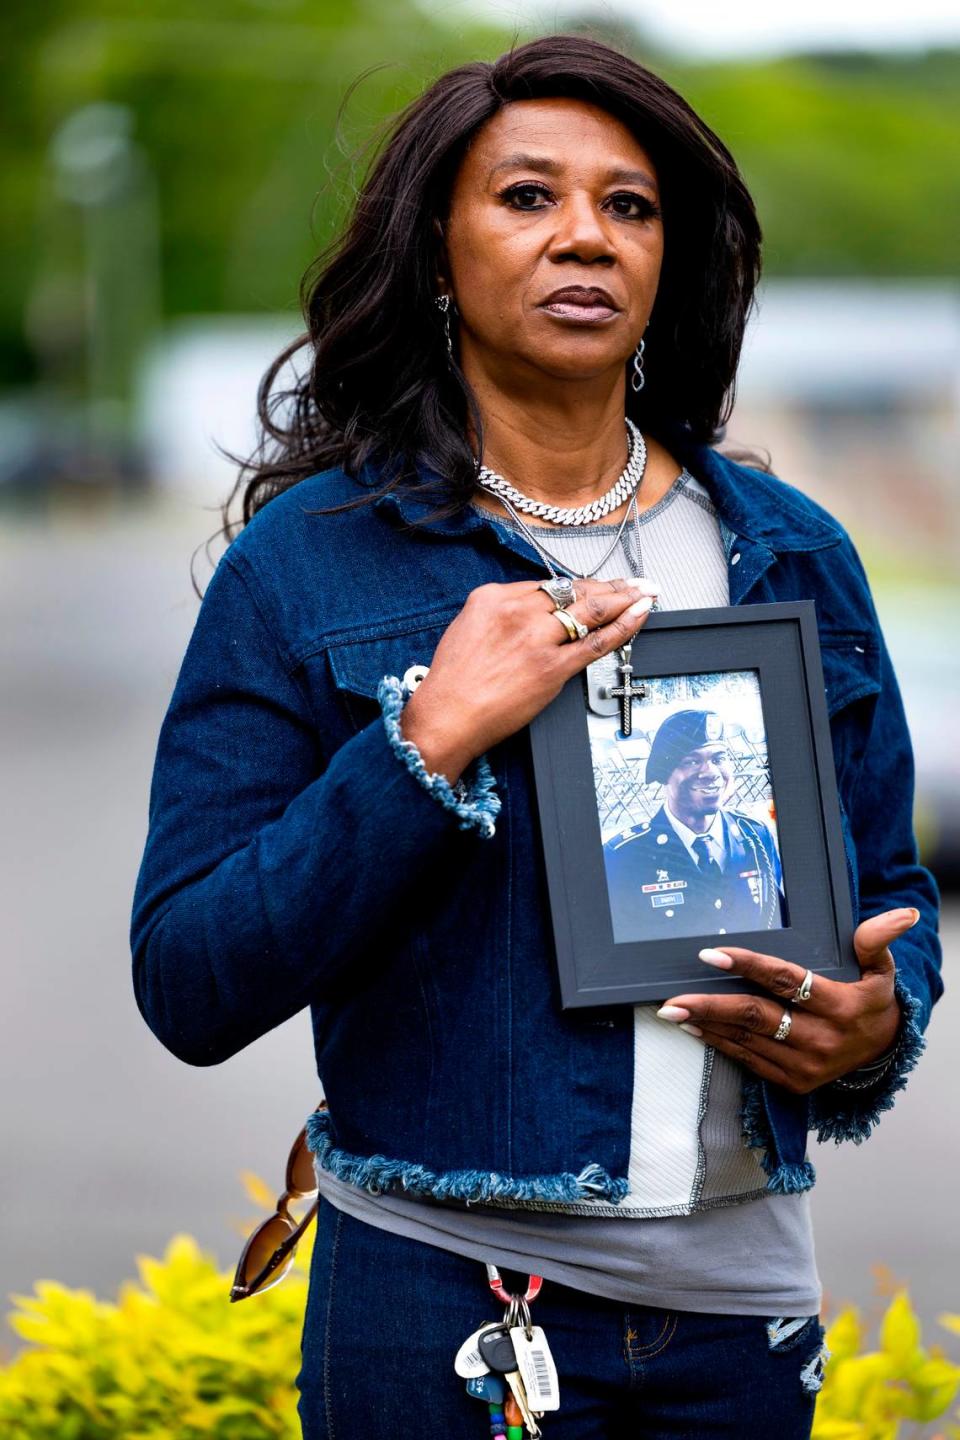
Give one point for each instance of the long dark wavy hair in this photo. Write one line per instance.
(378, 386)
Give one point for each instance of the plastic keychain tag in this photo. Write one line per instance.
(487, 1387)
(537, 1369)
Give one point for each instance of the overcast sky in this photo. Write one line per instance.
(741, 26)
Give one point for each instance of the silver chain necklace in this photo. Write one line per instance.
(635, 465)
(551, 560)
(601, 686)
(623, 488)
(505, 493)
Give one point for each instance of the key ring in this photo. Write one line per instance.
(518, 1315)
(534, 1286)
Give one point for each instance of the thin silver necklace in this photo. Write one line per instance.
(629, 482)
(623, 651)
(551, 560)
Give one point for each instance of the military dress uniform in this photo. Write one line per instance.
(657, 889)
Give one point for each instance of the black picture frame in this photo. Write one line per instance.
(780, 643)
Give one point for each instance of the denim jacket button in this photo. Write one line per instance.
(735, 559)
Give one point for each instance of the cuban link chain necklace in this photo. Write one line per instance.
(628, 483)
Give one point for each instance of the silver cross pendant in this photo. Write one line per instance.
(625, 691)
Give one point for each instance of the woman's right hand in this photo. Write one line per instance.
(505, 657)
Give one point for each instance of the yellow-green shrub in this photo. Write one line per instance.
(867, 1394)
(172, 1359)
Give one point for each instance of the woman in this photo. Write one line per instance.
(546, 247)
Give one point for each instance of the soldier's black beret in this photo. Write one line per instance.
(680, 733)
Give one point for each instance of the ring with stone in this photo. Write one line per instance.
(783, 1029)
(805, 987)
(560, 589)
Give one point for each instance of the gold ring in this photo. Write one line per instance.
(570, 623)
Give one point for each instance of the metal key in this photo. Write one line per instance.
(497, 1352)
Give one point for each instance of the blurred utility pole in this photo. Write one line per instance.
(101, 173)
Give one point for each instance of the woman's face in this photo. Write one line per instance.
(553, 243)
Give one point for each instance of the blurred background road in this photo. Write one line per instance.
(172, 175)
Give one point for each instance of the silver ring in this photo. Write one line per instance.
(783, 1029)
(560, 589)
(805, 987)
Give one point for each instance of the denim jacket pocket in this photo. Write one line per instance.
(851, 666)
(851, 674)
(358, 664)
(368, 673)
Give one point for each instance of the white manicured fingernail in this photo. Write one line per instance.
(693, 1030)
(675, 1013)
(640, 607)
(716, 957)
(645, 587)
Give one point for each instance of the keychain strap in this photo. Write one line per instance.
(534, 1286)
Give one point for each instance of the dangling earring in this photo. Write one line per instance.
(636, 379)
(442, 303)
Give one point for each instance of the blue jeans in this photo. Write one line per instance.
(386, 1315)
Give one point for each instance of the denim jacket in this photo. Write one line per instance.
(300, 854)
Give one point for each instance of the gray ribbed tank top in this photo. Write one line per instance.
(682, 1238)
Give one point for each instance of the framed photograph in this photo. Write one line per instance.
(687, 797)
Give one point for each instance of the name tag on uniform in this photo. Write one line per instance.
(665, 885)
(672, 899)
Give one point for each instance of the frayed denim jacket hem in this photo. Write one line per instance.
(299, 853)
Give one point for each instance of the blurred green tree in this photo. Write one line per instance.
(847, 156)
(233, 119)
(234, 110)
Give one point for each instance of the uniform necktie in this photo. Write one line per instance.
(705, 861)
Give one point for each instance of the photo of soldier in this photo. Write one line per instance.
(699, 866)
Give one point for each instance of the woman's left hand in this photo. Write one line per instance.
(843, 1025)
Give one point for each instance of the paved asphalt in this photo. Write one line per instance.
(110, 1144)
